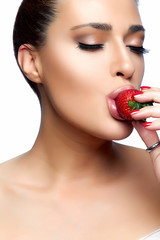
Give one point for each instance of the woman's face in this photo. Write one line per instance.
(79, 78)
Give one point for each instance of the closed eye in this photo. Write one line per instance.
(138, 50)
(92, 47)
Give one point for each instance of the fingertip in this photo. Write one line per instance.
(147, 124)
(145, 88)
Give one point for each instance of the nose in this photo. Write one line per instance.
(121, 62)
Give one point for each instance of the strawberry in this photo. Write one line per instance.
(126, 103)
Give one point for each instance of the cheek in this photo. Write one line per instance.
(74, 87)
(139, 68)
(77, 92)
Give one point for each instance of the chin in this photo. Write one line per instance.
(122, 130)
(117, 130)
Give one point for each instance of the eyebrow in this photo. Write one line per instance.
(136, 28)
(108, 27)
(99, 26)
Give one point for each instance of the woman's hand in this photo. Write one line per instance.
(147, 131)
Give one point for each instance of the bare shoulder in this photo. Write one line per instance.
(9, 173)
(8, 167)
(135, 154)
(140, 161)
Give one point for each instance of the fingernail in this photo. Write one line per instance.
(134, 111)
(147, 124)
(138, 94)
(145, 88)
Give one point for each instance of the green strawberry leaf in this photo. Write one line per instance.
(136, 105)
(131, 103)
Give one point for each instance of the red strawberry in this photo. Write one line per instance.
(125, 103)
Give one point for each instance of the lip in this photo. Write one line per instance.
(111, 101)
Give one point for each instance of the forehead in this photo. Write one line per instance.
(115, 12)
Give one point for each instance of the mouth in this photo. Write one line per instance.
(112, 104)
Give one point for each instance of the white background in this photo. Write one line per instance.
(19, 107)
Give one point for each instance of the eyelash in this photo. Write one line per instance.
(95, 47)
(137, 50)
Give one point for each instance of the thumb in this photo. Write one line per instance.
(149, 137)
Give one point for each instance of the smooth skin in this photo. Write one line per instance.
(75, 183)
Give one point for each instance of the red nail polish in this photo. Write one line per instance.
(138, 93)
(134, 111)
(145, 88)
(147, 124)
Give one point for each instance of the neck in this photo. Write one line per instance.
(69, 152)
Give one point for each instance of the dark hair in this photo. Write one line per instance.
(31, 25)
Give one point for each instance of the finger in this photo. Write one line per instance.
(152, 126)
(147, 88)
(146, 112)
(150, 138)
(148, 96)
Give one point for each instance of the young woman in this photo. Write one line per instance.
(75, 182)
